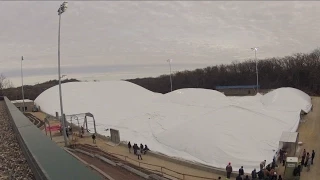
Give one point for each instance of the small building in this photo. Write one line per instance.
(249, 90)
(28, 104)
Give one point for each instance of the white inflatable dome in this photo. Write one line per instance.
(288, 98)
(200, 125)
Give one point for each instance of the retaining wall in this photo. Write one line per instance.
(45, 158)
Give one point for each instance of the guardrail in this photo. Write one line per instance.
(165, 172)
(45, 158)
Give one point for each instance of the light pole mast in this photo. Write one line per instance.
(170, 60)
(255, 49)
(22, 91)
(63, 7)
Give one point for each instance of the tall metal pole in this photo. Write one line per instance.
(60, 92)
(255, 56)
(169, 60)
(22, 91)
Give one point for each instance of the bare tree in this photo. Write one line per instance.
(4, 83)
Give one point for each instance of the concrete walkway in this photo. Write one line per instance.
(310, 136)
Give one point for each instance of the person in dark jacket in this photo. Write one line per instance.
(261, 174)
(246, 178)
(135, 148)
(254, 174)
(141, 147)
(129, 147)
(241, 172)
(93, 138)
(239, 177)
(312, 156)
(145, 149)
(296, 171)
(280, 178)
(229, 170)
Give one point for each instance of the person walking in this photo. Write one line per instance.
(129, 147)
(241, 172)
(139, 154)
(254, 174)
(93, 138)
(312, 156)
(229, 170)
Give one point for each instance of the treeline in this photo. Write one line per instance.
(301, 71)
(32, 91)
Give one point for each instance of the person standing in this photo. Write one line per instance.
(135, 148)
(241, 172)
(309, 164)
(129, 147)
(312, 156)
(93, 138)
(254, 174)
(139, 153)
(262, 164)
(229, 170)
(307, 159)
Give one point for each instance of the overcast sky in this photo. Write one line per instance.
(121, 35)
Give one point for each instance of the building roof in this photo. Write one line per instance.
(289, 137)
(21, 101)
(237, 87)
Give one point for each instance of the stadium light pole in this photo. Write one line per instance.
(255, 49)
(63, 7)
(22, 91)
(169, 61)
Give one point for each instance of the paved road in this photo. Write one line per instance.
(116, 173)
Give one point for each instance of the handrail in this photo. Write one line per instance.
(184, 175)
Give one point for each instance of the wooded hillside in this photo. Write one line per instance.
(32, 92)
(301, 71)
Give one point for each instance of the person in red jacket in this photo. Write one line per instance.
(229, 170)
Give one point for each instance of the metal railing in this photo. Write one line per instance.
(157, 169)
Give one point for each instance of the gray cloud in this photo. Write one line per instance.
(110, 33)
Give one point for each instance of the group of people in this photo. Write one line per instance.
(265, 173)
(307, 159)
(268, 172)
(138, 150)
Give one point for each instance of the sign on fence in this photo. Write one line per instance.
(54, 128)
